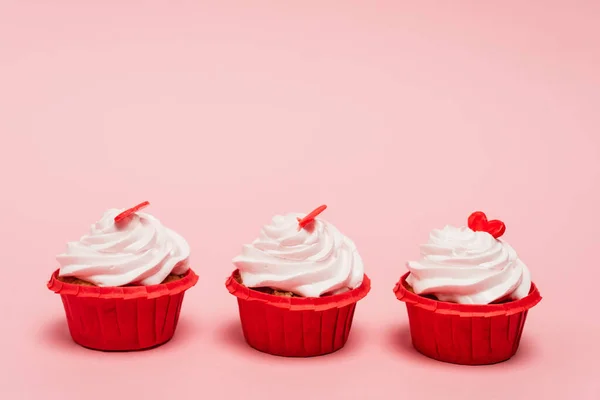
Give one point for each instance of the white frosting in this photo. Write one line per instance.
(463, 266)
(139, 250)
(310, 261)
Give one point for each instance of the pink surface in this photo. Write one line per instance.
(400, 117)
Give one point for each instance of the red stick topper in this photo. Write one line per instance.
(302, 222)
(478, 222)
(130, 211)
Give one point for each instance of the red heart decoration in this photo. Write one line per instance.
(478, 222)
(302, 222)
(130, 211)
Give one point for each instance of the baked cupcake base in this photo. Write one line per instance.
(294, 326)
(267, 290)
(463, 333)
(76, 281)
(122, 318)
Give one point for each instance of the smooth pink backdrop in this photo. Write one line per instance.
(401, 116)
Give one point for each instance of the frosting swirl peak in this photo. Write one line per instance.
(310, 262)
(463, 266)
(139, 251)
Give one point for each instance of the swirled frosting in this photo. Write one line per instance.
(310, 262)
(137, 251)
(463, 266)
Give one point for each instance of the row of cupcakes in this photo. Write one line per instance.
(297, 286)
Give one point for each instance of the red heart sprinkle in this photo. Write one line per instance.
(130, 211)
(302, 222)
(478, 222)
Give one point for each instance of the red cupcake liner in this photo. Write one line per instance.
(122, 318)
(464, 333)
(296, 326)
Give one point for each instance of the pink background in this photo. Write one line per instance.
(401, 117)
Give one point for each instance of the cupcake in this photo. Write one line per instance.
(468, 296)
(122, 284)
(297, 286)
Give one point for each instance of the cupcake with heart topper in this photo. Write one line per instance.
(468, 296)
(297, 286)
(122, 284)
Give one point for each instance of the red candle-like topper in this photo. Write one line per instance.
(478, 222)
(302, 222)
(130, 211)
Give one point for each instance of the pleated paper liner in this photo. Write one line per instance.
(295, 326)
(462, 333)
(122, 318)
